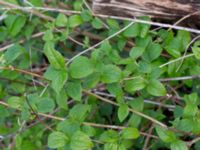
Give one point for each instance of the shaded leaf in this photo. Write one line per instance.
(13, 53)
(156, 88)
(57, 139)
(46, 105)
(74, 90)
(75, 20)
(178, 145)
(61, 20)
(130, 133)
(80, 141)
(111, 74)
(135, 84)
(58, 78)
(79, 112)
(54, 57)
(81, 67)
(123, 112)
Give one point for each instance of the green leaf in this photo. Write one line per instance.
(165, 135)
(130, 133)
(81, 67)
(114, 146)
(178, 145)
(135, 84)
(15, 102)
(115, 89)
(86, 15)
(106, 47)
(152, 52)
(106, 110)
(185, 38)
(121, 43)
(78, 5)
(186, 125)
(132, 31)
(174, 47)
(15, 24)
(54, 57)
(156, 88)
(79, 112)
(111, 146)
(122, 147)
(13, 53)
(144, 27)
(191, 98)
(37, 3)
(57, 139)
(4, 112)
(143, 42)
(97, 23)
(111, 74)
(58, 78)
(195, 126)
(75, 21)
(113, 23)
(196, 51)
(123, 112)
(61, 99)
(48, 36)
(197, 43)
(145, 67)
(136, 52)
(61, 20)
(190, 110)
(89, 130)
(18, 141)
(137, 104)
(80, 141)
(68, 126)
(46, 105)
(3, 32)
(91, 81)
(135, 121)
(74, 90)
(109, 136)
(9, 21)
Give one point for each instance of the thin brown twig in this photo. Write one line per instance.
(98, 44)
(131, 110)
(37, 116)
(131, 98)
(190, 143)
(185, 17)
(11, 68)
(50, 116)
(36, 36)
(151, 23)
(21, 41)
(35, 12)
(49, 9)
(18, 81)
(90, 93)
(188, 46)
(148, 138)
(180, 78)
(169, 79)
(102, 99)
